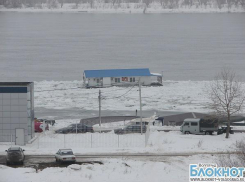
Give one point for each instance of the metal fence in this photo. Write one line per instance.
(84, 140)
(90, 140)
(7, 139)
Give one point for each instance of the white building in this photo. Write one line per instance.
(16, 112)
(120, 77)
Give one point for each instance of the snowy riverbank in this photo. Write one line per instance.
(125, 8)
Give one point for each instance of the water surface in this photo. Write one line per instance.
(59, 46)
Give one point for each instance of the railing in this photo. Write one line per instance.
(90, 140)
(7, 139)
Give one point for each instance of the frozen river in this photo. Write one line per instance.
(59, 46)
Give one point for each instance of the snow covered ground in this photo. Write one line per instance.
(172, 96)
(157, 142)
(127, 169)
(121, 170)
(126, 8)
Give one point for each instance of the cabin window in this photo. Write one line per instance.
(132, 79)
(186, 124)
(117, 80)
(124, 79)
(193, 124)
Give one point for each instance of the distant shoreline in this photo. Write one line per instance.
(121, 10)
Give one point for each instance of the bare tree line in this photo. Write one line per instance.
(166, 4)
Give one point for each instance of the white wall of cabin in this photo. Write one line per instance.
(92, 82)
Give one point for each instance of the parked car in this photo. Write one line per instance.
(15, 155)
(223, 129)
(75, 128)
(65, 155)
(130, 129)
(39, 125)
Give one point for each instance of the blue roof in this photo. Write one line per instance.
(117, 73)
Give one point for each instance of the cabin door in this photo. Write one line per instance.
(106, 82)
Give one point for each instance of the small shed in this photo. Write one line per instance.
(119, 77)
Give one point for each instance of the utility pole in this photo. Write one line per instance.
(100, 108)
(162, 78)
(76, 127)
(140, 107)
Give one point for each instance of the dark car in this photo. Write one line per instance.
(15, 155)
(130, 129)
(75, 128)
(223, 130)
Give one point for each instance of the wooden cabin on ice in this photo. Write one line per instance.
(120, 77)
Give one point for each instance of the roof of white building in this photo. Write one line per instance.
(117, 73)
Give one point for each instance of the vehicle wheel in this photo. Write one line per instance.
(187, 132)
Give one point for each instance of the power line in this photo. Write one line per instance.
(122, 94)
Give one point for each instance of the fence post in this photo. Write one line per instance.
(38, 142)
(118, 140)
(64, 141)
(147, 135)
(11, 140)
(91, 140)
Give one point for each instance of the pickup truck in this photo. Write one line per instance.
(199, 126)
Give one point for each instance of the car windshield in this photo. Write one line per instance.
(14, 151)
(67, 153)
(71, 126)
(74, 126)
